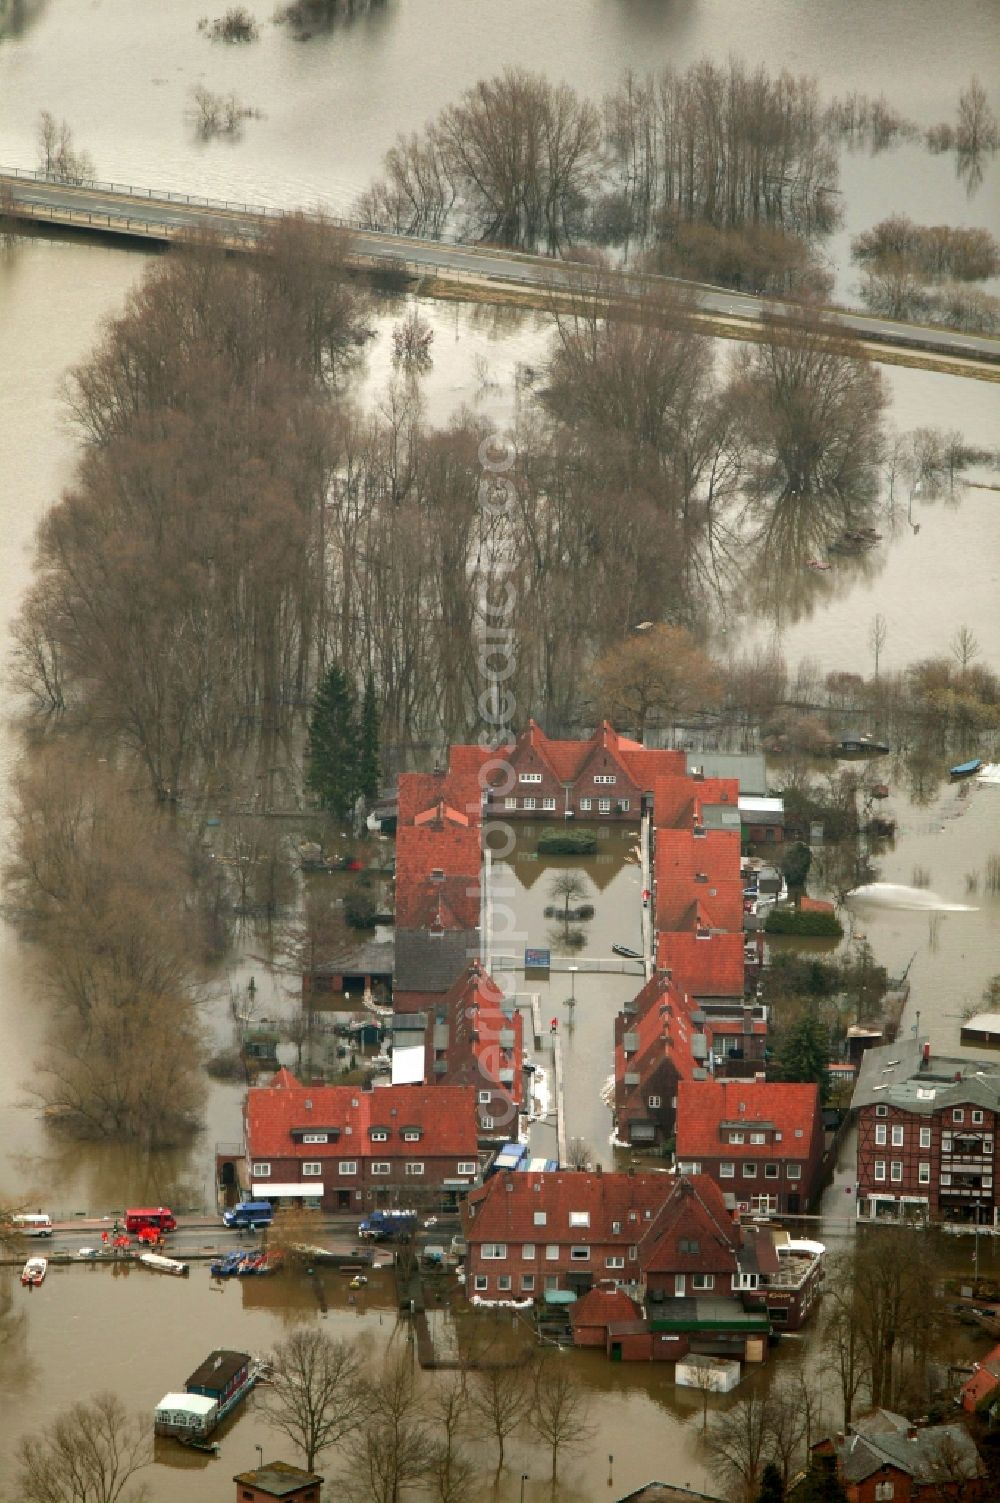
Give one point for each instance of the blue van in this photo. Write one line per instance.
(250, 1214)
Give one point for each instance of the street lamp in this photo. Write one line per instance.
(524, 1478)
(571, 999)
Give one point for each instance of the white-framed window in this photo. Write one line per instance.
(503, 1283)
(260, 1171)
(467, 1166)
(703, 1281)
(881, 1111)
(880, 1134)
(624, 805)
(737, 1137)
(539, 1218)
(654, 1102)
(548, 803)
(605, 777)
(529, 777)
(958, 1115)
(494, 1250)
(315, 1137)
(552, 1281)
(348, 1166)
(749, 1171)
(510, 803)
(527, 1282)
(799, 1132)
(381, 1167)
(604, 805)
(552, 1251)
(529, 803)
(771, 1171)
(528, 1251)
(896, 1171)
(633, 1255)
(411, 1134)
(727, 1171)
(758, 1137)
(414, 1167)
(977, 1118)
(485, 1097)
(685, 1166)
(880, 1168)
(579, 1254)
(579, 1218)
(884, 1492)
(925, 1137)
(615, 1261)
(482, 1282)
(486, 1123)
(794, 1171)
(379, 1135)
(897, 1135)
(924, 1174)
(311, 1168)
(585, 805)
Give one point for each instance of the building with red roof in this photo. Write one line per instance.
(475, 1038)
(658, 1043)
(698, 883)
(760, 1141)
(603, 778)
(438, 903)
(345, 1148)
(708, 966)
(600, 1308)
(980, 1391)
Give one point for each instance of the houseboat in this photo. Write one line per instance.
(860, 746)
(211, 1392)
(34, 1271)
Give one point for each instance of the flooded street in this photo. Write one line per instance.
(122, 76)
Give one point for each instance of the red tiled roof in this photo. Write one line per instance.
(664, 1030)
(602, 1307)
(503, 1210)
(453, 849)
(430, 903)
(473, 1011)
(703, 966)
(679, 799)
(702, 1105)
(646, 764)
(696, 1214)
(681, 858)
(446, 1115)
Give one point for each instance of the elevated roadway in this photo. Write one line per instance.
(452, 269)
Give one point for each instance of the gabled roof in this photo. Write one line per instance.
(678, 799)
(445, 1114)
(455, 850)
(504, 1209)
(897, 1075)
(450, 902)
(706, 1106)
(663, 1032)
(698, 872)
(428, 961)
(478, 1025)
(703, 965)
(567, 760)
(694, 1233)
(919, 1453)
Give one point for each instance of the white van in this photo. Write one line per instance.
(38, 1225)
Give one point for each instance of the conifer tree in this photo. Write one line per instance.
(804, 1053)
(370, 769)
(333, 750)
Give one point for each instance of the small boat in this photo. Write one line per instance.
(626, 951)
(818, 563)
(34, 1271)
(159, 1264)
(966, 769)
(226, 1267)
(358, 1282)
(860, 746)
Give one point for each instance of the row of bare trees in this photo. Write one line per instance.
(524, 161)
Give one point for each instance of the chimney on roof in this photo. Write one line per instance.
(598, 1170)
(911, 1433)
(840, 1437)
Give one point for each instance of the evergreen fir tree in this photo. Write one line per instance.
(804, 1053)
(370, 769)
(333, 750)
(772, 1489)
(821, 1483)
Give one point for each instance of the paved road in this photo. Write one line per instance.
(119, 211)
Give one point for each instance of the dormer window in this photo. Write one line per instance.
(437, 874)
(379, 1135)
(579, 1218)
(412, 1134)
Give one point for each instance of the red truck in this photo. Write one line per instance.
(156, 1218)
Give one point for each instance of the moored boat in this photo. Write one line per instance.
(159, 1264)
(34, 1271)
(966, 769)
(213, 1390)
(860, 746)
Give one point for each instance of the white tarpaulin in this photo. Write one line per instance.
(262, 1189)
(408, 1064)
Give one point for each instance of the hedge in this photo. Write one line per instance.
(567, 843)
(806, 925)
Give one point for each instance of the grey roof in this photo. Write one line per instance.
(923, 1455)
(667, 1492)
(430, 963)
(895, 1074)
(373, 958)
(748, 767)
(720, 817)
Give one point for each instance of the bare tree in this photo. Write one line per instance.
(878, 634)
(978, 127)
(91, 1454)
(559, 1409)
(317, 1397)
(569, 886)
(741, 1442)
(394, 1448)
(501, 1397)
(58, 157)
(579, 1154)
(964, 647)
(451, 1474)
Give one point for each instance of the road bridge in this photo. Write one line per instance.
(454, 269)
